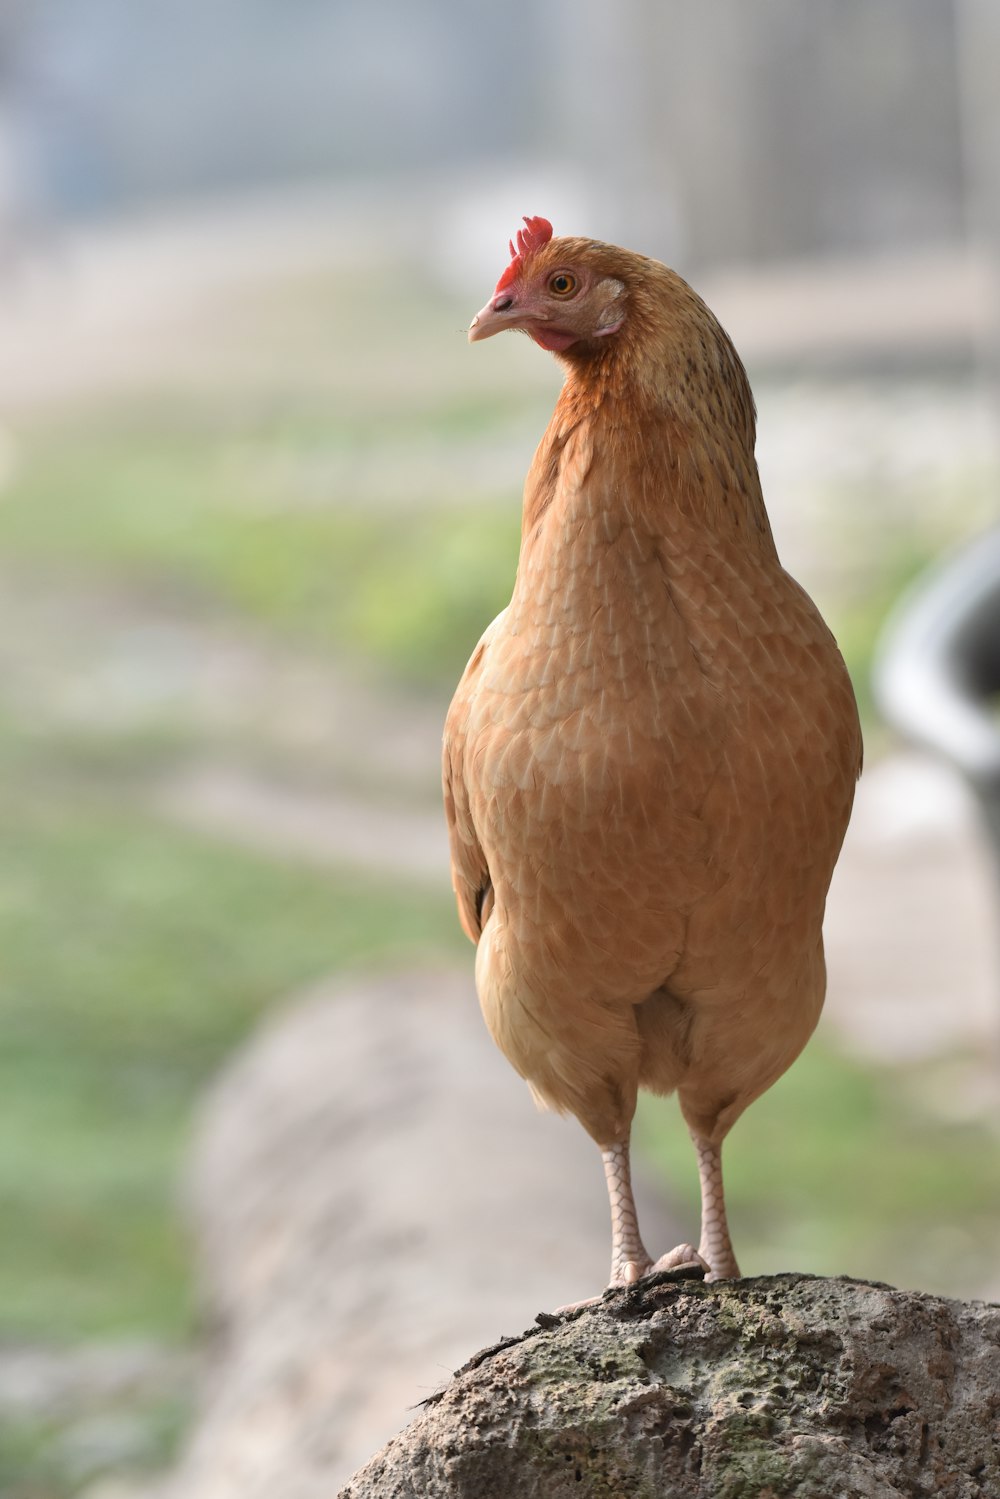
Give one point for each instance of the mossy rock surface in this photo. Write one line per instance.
(756, 1389)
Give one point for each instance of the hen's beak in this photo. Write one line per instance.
(500, 312)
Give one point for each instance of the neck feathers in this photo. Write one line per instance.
(662, 422)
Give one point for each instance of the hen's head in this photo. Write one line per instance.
(615, 316)
(565, 293)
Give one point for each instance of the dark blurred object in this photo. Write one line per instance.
(937, 674)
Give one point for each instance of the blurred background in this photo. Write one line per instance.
(258, 498)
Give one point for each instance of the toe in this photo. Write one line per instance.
(683, 1256)
(631, 1271)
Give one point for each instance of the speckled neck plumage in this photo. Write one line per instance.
(638, 448)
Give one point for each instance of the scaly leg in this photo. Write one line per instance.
(630, 1260)
(715, 1247)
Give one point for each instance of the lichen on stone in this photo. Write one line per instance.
(757, 1389)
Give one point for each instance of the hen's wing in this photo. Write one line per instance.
(470, 875)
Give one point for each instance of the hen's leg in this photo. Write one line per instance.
(715, 1247)
(629, 1258)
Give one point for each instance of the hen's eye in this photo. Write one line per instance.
(562, 284)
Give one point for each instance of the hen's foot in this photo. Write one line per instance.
(679, 1259)
(685, 1256)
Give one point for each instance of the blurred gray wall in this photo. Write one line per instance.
(787, 128)
(725, 131)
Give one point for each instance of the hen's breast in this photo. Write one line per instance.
(655, 732)
(593, 668)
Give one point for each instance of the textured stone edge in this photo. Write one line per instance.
(754, 1389)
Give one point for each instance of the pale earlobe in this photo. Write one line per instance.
(612, 313)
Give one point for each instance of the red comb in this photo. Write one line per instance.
(536, 233)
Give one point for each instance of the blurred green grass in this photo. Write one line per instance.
(177, 516)
(135, 956)
(43, 1458)
(202, 521)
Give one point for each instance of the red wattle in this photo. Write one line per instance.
(553, 340)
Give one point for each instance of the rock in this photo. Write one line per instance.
(754, 1389)
(373, 1194)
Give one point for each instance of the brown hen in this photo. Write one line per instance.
(650, 760)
